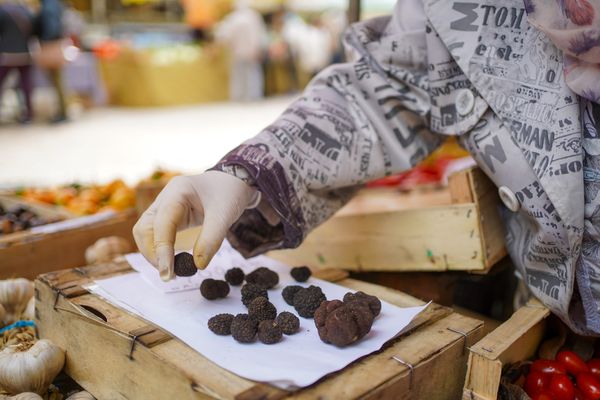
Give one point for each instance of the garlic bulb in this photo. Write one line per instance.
(83, 395)
(29, 313)
(14, 296)
(106, 249)
(26, 368)
(23, 396)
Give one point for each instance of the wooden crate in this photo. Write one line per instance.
(27, 254)
(115, 355)
(515, 340)
(455, 228)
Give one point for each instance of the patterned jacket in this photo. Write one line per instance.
(476, 69)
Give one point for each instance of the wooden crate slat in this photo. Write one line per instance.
(28, 255)
(515, 340)
(436, 239)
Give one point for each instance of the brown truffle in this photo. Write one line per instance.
(288, 323)
(234, 276)
(342, 324)
(243, 328)
(250, 291)
(213, 289)
(373, 302)
(184, 265)
(289, 292)
(307, 300)
(261, 309)
(264, 277)
(300, 274)
(269, 332)
(220, 324)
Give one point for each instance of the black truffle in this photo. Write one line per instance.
(221, 324)
(264, 277)
(243, 328)
(288, 323)
(213, 289)
(184, 265)
(372, 302)
(250, 291)
(269, 332)
(342, 324)
(234, 276)
(301, 274)
(261, 309)
(289, 292)
(307, 300)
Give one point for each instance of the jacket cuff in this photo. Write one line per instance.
(252, 234)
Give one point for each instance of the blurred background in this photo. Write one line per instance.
(98, 97)
(107, 89)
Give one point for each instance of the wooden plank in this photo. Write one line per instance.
(490, 224)
(459, 186)
(432, 239)
(33, 254)
(515, 340)
(377, 200)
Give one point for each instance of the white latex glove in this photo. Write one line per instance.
(213, 199)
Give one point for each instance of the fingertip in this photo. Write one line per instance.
(165, 255)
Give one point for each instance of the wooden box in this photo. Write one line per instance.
(515, 340)
(115, 355)
(29, 253)
(454, 228)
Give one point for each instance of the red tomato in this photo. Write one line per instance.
(572, 362)
(561, 387)
(589, 385)
(594, 366)
(545, 395)
(548, 367)
(535, 382)
(579, 395)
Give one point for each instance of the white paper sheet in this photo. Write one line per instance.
(297, 361)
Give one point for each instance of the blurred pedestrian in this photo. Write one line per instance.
(280, 68)
(243, 31)
(50, 33)
(201, 16)
(16, 28)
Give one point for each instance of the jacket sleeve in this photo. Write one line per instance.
(355, 122)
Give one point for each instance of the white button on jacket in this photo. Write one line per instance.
(509, 199)
(465, 101)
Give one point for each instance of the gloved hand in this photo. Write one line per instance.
(213, 199)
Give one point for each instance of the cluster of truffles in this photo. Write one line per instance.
(261, 321)
(342, 323)
(339, 322)
(304, 300)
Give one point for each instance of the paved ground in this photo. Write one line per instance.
(129, 143)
